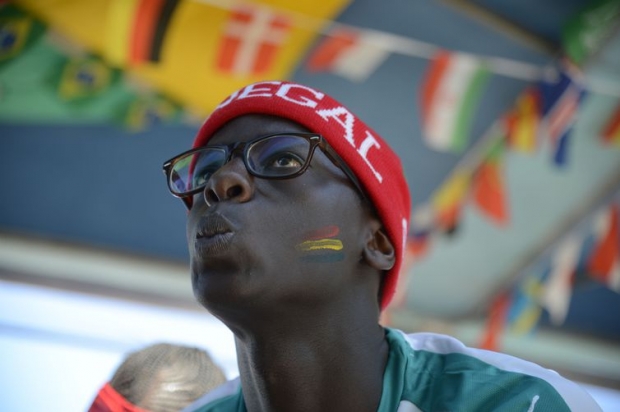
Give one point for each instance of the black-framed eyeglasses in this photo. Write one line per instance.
(275, 156)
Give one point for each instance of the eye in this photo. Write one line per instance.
(203, 175)
(287, 160)
(284, 160)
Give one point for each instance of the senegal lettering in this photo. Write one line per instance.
(312, 99)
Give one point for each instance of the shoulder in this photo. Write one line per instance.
(223, 398)
(490, 376)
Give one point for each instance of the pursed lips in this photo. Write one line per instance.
(214, 235)
(212, 227)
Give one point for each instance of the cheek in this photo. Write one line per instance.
(322, 245)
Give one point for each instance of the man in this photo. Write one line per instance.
(298, 215)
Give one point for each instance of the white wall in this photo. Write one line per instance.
(58, 348)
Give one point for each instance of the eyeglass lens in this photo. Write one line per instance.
(274, 156)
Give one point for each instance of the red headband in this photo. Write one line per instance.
(108, 400)
(376, 166)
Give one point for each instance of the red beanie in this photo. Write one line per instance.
(376, 166)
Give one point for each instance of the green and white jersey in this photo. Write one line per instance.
(437, 373)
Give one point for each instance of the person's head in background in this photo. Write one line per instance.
(159, 378)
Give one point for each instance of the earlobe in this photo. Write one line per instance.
(379, 251)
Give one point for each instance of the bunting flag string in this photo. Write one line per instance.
(547, 108)
(591, 252)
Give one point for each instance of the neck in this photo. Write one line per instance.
(326, 364)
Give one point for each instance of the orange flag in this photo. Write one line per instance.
(488, 186)
(611, 131)
(495, 322)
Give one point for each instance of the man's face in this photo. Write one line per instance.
(256, 242)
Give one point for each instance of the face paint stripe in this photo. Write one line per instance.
(322, 244)
(324, 232)
(324, 258)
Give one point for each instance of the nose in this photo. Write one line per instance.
(232, 182)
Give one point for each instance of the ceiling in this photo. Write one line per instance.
(81, 193)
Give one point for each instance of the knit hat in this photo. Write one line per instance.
(375, 165)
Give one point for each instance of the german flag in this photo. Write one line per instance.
(136, 30)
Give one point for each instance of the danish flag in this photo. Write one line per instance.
(252, 38)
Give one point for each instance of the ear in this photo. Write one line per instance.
(378, 250)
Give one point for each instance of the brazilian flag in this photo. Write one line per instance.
(82, 78)
(18, 31)
(145, 111)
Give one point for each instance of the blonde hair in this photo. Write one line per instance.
(166, 377)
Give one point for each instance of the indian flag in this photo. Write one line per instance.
(450, 93)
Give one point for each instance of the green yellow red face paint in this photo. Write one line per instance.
(322, 245)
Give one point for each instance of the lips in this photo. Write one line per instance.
(213, 236)
(212, 226)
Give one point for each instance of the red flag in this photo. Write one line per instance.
(604, 262)
(352, 54)
(252, 38)
(488, 187)
(495, 322)
(330, 49)
(611, 131)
